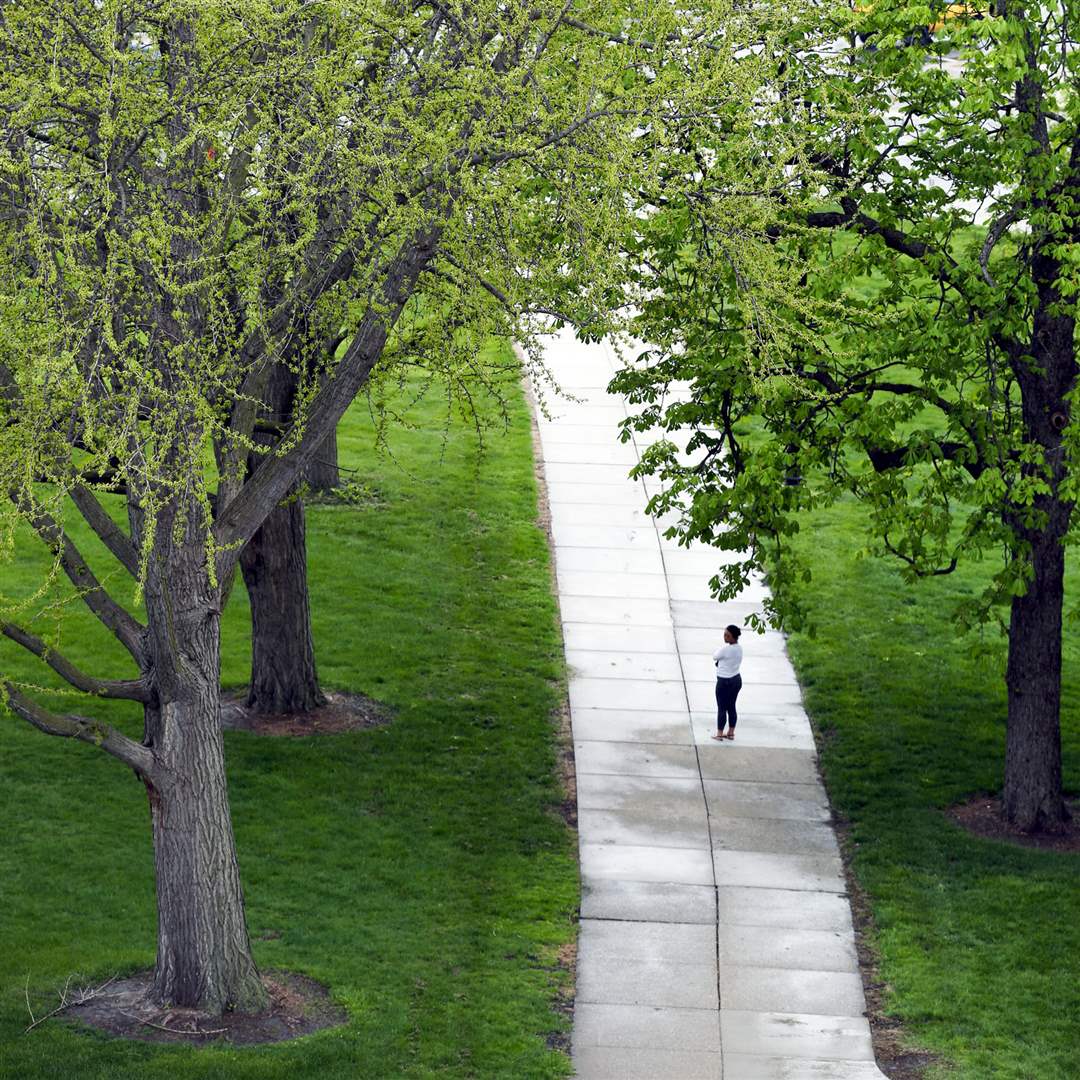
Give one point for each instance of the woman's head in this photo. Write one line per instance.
(731, 634)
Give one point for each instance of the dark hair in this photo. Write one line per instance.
(734, 631)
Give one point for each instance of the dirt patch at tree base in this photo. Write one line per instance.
(298, 1006)
(341, 713)
(982, 816)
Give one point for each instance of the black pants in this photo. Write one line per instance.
(727, 690)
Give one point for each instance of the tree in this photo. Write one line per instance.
(940, 391)
(284, 678)
(188, 191)
(324, 473)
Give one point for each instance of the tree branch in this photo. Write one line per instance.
(863, 383)
(938, 571)
(997, 230)
(827, 219)
(271, 480)
(124, 689)
(110, 534)
(497, 293)
(884, 459)
(138, 757)
(254, 359)
(621, 39)
(894, 238)
(127, 630)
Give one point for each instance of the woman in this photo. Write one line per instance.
(728, 659)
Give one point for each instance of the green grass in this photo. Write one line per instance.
(979, 941)
(418, 870)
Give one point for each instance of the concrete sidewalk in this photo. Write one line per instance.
(716, 938)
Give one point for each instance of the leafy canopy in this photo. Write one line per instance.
(932, 264)
(195, 192)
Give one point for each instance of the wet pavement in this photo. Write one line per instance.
(716, 938)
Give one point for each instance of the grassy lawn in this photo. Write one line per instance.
(980, 942)
(417, 869)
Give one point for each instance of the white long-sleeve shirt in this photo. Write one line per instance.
(727, 659)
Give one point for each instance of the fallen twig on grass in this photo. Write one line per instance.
(174, 1031)
(84, 997)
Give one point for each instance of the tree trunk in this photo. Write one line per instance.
(274, 565)
(1032, 796)
(323, 475)
(1033, 799)
(204, 958)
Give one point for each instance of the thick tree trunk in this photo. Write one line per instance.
(274, 565)
(1033, 799)
(204, 958)
(323, 475)
(1032, 795)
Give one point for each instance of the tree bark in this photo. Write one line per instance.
(274, 565)
(204, 958)
(323, 475)
(1033, 798)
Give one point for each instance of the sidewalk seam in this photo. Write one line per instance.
(694, 743)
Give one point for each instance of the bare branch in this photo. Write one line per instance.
(194, 1030)
(551, 139)
(125, 689)
(127, 630)
(997, 230)
(138, 757)
(65, 1002)
(110, 534)
(255, 355)
(544, 41)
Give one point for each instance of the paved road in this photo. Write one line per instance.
(716, 939)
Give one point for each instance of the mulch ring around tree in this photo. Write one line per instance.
(982, 816)
(342, 712)
(298, 1006)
